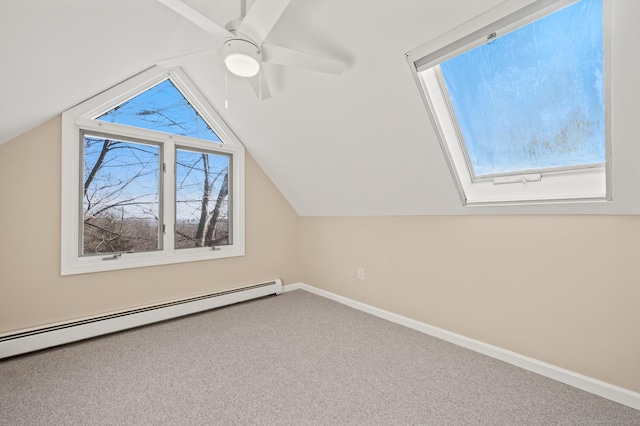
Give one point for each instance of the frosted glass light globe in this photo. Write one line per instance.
(241, 57)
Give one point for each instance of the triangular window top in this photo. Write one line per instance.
(162, 108)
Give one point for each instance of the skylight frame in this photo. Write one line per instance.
(591, 182)
(171, 79)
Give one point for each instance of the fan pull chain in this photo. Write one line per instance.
(226, 89)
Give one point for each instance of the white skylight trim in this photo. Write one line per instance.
(585, 183)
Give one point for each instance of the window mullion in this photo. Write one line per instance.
(169, 195)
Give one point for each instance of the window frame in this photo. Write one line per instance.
(82, 118)
(559, 185)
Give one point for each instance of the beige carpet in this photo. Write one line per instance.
(293, 359)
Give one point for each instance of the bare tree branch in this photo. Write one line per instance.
(224, 191)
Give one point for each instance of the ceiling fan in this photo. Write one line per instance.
(242, 43)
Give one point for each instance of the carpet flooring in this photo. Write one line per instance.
(293, 359)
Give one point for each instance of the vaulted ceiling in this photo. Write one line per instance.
(356, 144)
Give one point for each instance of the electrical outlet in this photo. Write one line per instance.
(360, 273)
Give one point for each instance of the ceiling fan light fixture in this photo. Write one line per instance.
(242, 57)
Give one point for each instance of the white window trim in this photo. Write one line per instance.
(82, 117)
(587, 184)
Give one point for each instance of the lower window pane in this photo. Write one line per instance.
(120, 196)
(202, 199)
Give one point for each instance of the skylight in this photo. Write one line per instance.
(523, 102)
(534, 98)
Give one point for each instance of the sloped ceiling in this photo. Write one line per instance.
(356, 144)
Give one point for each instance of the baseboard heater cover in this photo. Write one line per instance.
(41, 338)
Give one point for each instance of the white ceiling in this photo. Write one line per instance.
(356, 144)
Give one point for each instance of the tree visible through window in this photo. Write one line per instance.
(120, 196)
(122, 190)
(202, 190)
(519, 103)
(151, 175)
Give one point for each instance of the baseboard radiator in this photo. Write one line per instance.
(45, 337)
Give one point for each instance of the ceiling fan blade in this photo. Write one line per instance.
(189, 58)
(259, 84)
(293, 58)
(197, 18)
(261, 18)
(243, 8)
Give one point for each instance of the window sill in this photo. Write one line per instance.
(106, 262)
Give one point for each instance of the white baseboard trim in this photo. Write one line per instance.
(40, 338)
(614, 393)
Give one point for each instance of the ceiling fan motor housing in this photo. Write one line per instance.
(242, 57)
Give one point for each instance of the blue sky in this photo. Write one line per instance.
(162, 108)
(534, 98)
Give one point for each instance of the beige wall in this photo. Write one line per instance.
(33, 293)
(560, 289)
